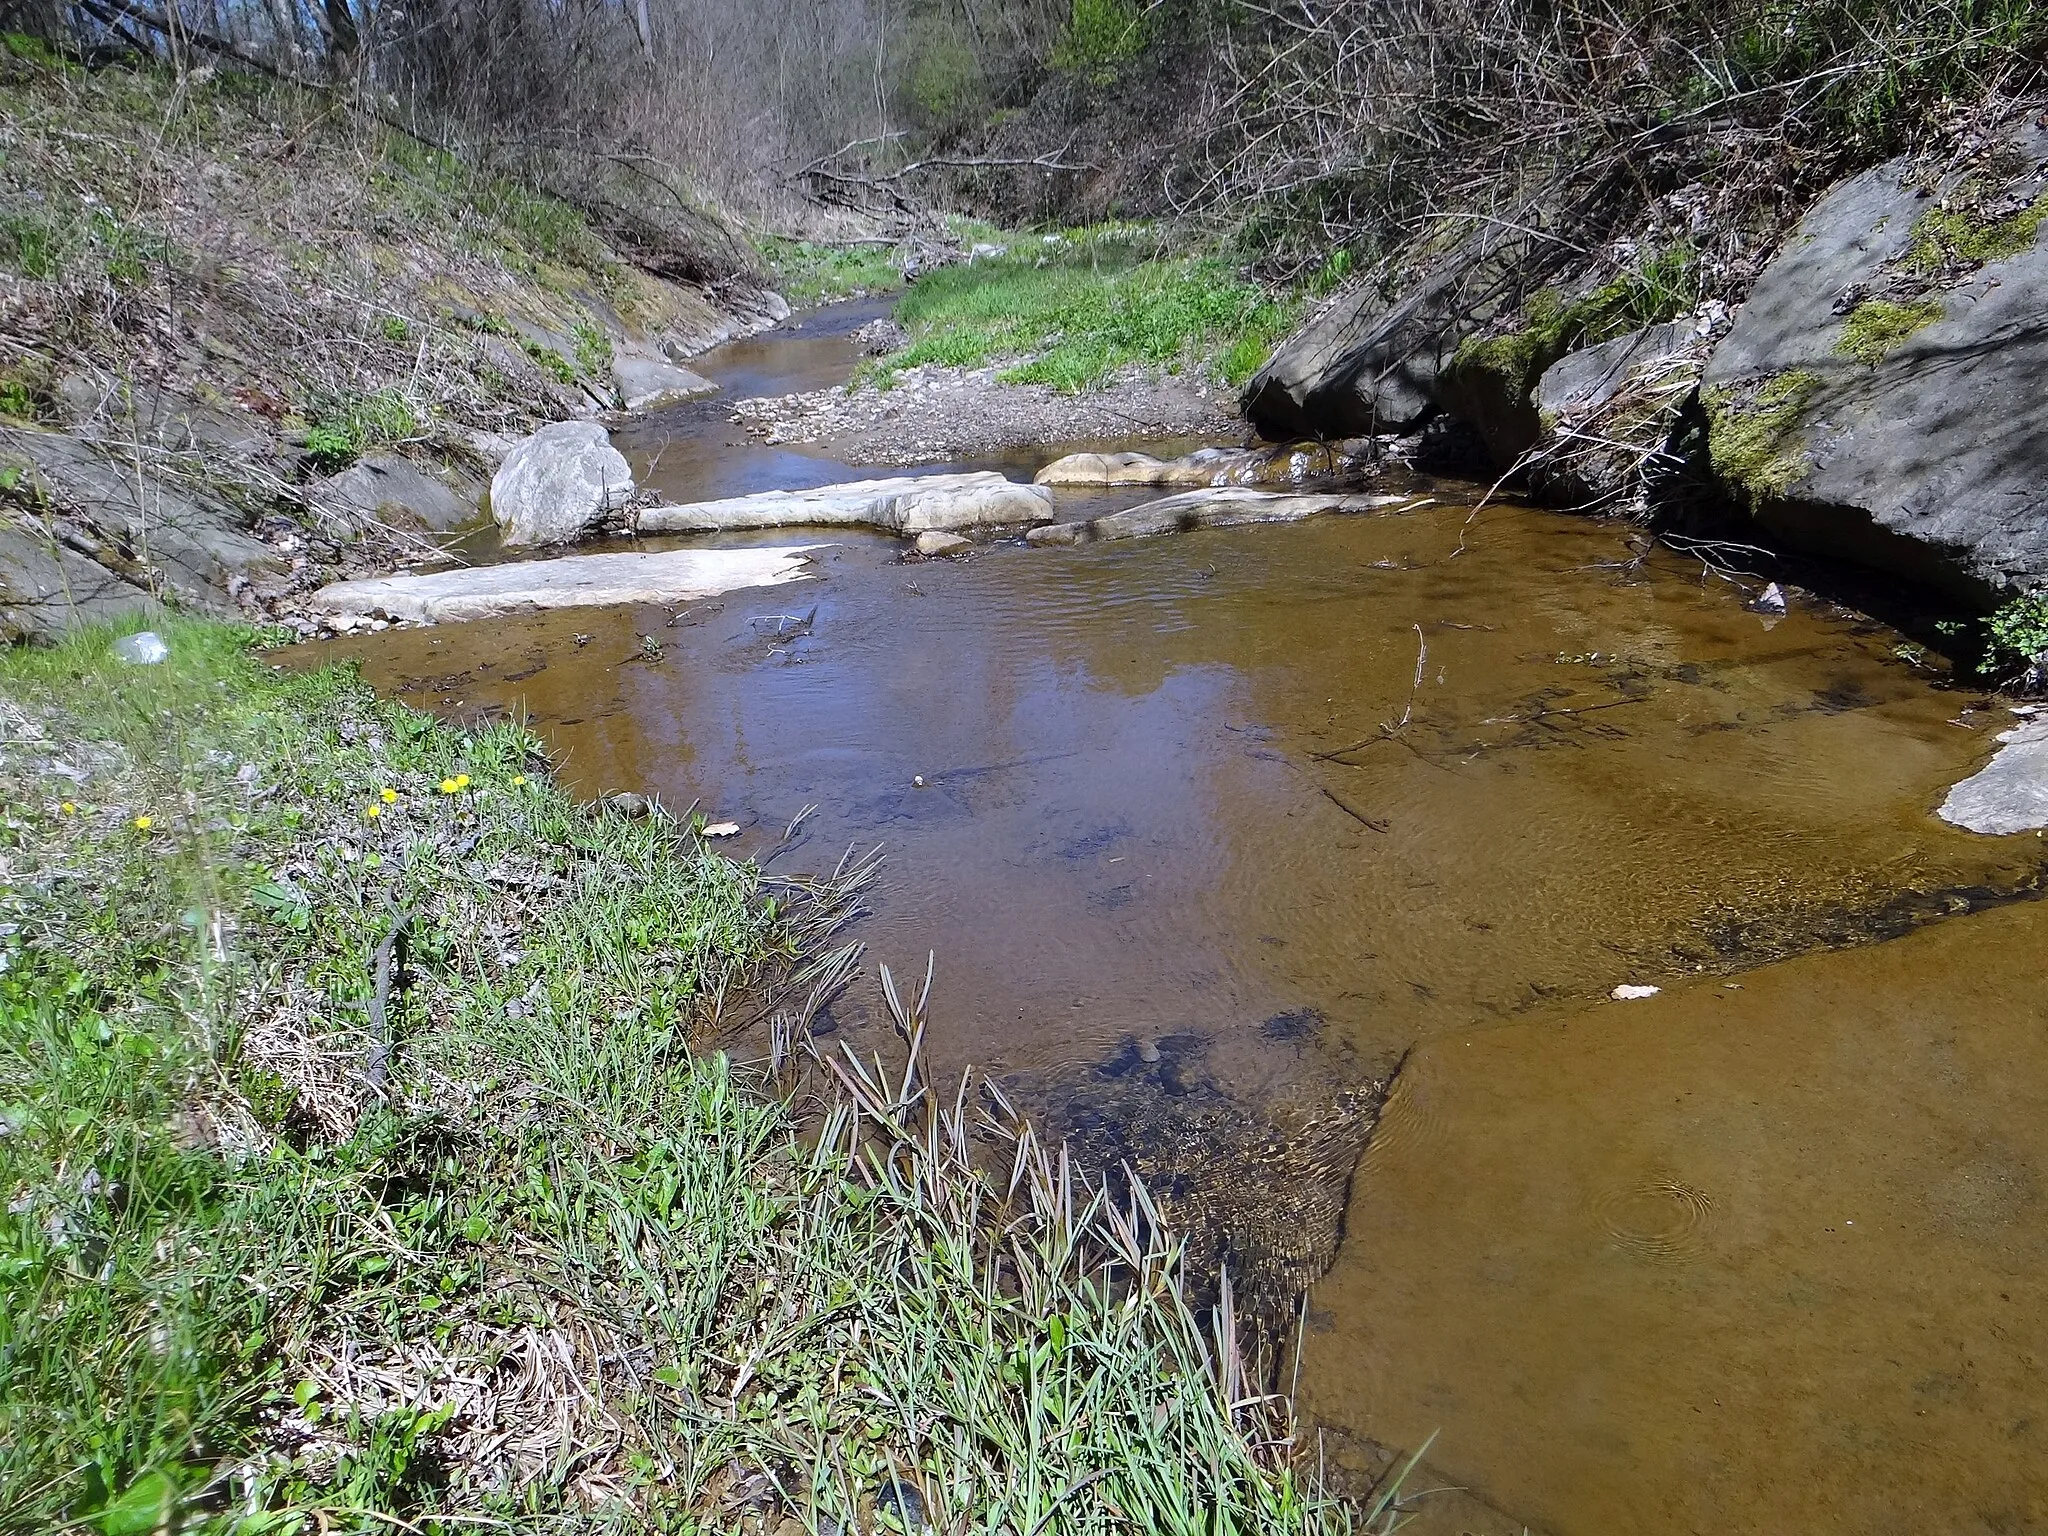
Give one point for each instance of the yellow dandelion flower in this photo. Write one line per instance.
(143, 823)
(449, 786)
(372, 812)
(518, 781)
(462, 781)
(387, 795)
(68, 808)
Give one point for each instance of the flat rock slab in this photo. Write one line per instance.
(910, 505)
(1220, 507)
(572, 581)
(2009, 793)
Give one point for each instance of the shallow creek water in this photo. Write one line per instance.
(1216, 832)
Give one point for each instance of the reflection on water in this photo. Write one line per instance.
(1132, 823)
(1208, 832)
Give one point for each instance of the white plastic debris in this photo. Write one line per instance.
(1773, 600)
(1629, 992)
(145, 648)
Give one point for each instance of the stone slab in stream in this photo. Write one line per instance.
(2009, 793)
(907, 505)
(645, 379)
(572, 581)
(1217, 507)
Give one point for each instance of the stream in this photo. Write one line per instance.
(1214, 834)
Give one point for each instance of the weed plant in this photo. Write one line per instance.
(365, 1170)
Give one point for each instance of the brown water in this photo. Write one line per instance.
(1756, 1258)
(1214, 828)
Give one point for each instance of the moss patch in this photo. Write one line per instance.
(1509, 365)
(1752, 434)
(1875, 327)
(1945, 238)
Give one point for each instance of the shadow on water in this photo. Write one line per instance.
(1215, 831)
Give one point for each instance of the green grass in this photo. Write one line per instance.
(553, 1264)
(807, 272)
(342, 428)
(1073, 318)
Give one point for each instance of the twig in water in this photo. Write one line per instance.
(1358, 816)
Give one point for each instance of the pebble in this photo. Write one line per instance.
(1628, 992)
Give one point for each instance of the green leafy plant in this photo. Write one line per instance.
(551, 362)
(2016, 641)
(343, 427)
(593, 350)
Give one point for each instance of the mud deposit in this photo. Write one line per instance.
(1209, 832)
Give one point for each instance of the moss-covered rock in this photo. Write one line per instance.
(1753, 440)
(1878, 397)
(1490, 381)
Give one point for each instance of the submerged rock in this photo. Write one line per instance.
(2009, 793)
(909, 505)
(1198, 468)
(571, 581)
(1217, 507)
(933, 544)
(1289, 464)
(1879, 396)
(558, 482)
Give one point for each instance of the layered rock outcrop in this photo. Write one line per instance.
(1879, 396)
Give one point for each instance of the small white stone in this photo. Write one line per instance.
(1628, 992)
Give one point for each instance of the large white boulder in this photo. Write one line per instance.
(558, 482)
